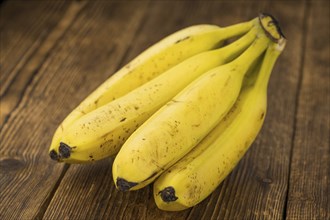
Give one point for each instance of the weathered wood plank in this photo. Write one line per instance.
(26, 42)
(22, 32)
(257, 187)
(18, 28)
(86, 55)
(309, 186)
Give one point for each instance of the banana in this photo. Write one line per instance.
(178, 126)
(197, 175)
(154, 61)
(100, 133)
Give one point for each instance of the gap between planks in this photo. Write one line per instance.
(306, 15)
(54, 36)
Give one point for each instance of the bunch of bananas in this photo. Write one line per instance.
(182, 113)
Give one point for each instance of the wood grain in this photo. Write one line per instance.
(26, 41)
(309, 186)
(22, 33)
(28, 177)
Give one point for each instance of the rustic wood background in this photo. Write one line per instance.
(54, 53)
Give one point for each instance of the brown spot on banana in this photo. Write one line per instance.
(182, 39)
(227, 81)
(262, 115)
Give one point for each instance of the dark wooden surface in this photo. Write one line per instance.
(54, 53)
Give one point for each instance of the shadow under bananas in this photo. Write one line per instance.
(88, 190)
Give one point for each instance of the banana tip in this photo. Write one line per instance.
(168, 194)
(53, 155)
(124, 185)
(64, 151)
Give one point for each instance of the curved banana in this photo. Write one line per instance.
(101, 133)
(177, 127)
(197, 175)
(151, 63)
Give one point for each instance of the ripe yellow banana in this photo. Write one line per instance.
(196, 176)
(101, 133)
(151, 63)
(178, 126)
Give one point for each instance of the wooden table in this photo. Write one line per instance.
(54, 53)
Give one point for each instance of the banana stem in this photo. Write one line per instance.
(271, 27)
(235, 48)
(252, 53)
(273, 31)
(272, 53)
(237, 29)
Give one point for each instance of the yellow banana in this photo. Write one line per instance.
(100, 133)
(197, 175)
(151, 63)
(177, 127)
